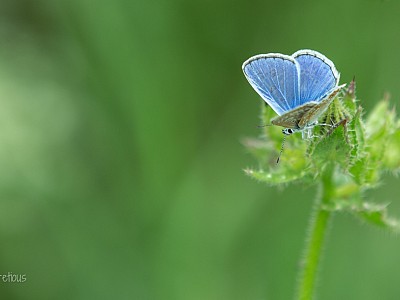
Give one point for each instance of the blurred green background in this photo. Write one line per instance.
(120, 157)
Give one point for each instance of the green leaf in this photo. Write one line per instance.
(332, 148)
(277, 177)
(376, 214)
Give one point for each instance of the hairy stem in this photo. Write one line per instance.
(319, 224)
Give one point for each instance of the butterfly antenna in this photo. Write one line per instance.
(280, 152)
(265, 125)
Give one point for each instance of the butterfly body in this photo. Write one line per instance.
(299, 88)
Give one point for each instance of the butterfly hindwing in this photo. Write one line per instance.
(313, 114)
(318, 75)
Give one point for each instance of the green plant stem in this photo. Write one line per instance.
(319, 224)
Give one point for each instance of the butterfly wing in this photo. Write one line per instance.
(318, 75)
(275, 77)
(292, 118)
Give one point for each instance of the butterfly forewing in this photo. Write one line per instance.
(275, 78)
(318, 75)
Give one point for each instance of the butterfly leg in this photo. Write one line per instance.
(342, 122)
(308, 133)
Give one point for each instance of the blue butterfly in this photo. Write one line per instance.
(299, 88)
